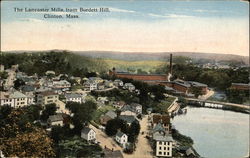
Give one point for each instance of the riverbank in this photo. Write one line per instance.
(222, 107)
(184, 145)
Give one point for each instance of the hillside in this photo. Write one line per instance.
(142, 56)
(60, 62)
(132, 66)
(135, 56)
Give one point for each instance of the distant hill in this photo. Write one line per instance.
(130, 56)
(163, 56)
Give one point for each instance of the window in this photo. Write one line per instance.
(168, 143)
(160, 143)
(159, 148)
(160, 153)
(168, 148)
(168, 153)
(164, 153)
(164, 148)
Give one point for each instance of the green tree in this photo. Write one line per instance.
(114, 125)
(50, 109)
(77, 147)
(33, 112)
(18, 83)
(83, 113)
(133, 131)
(20, 138)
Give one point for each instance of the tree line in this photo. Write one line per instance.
(61, 62)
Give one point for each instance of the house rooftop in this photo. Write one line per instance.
(46, 93)
(198, 84)
(128, 84)
(128, 119)
(127, 108)
(27, 88)
(17, 94)
(111, 114)
(54, 118)
(158, 128)
(163, 138)
(135, 104)
(184, 84)
(95, 78)
(72, 95)
(119, 134)
(86, 130)
(157, 118)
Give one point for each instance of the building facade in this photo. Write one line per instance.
(14, 99)
(47, 97)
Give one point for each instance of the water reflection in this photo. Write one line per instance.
(216, 133)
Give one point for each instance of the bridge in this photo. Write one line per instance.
(218, 102)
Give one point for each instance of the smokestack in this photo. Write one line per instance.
(171, 66)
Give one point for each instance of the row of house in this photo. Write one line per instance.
(96, 83)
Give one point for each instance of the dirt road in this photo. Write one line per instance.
(105, 140)
(143, 148)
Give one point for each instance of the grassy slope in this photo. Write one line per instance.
(123, 65)
(102, 110)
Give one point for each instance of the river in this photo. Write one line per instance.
(216, 133)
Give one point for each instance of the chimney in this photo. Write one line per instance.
(171, 65)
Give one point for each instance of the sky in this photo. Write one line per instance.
(130, 26)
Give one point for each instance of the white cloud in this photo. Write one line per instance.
(121, 10)
(179, 16)
(206, 11)
(157, 15)
(170, 16)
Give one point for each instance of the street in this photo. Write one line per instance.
(143, 148)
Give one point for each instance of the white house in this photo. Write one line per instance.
(96, 79)
(102, 100)
(90, 85)
(50, 73)
(129, 86)
(137, 108)
(164, 145)
(88, 134)
(55, 120)
(74, 97)
(108, 84)
(121, 138)
(47, 97)
(14, 99)
(118, 83)
(62, 84)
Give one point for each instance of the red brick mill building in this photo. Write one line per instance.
(178, 86)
